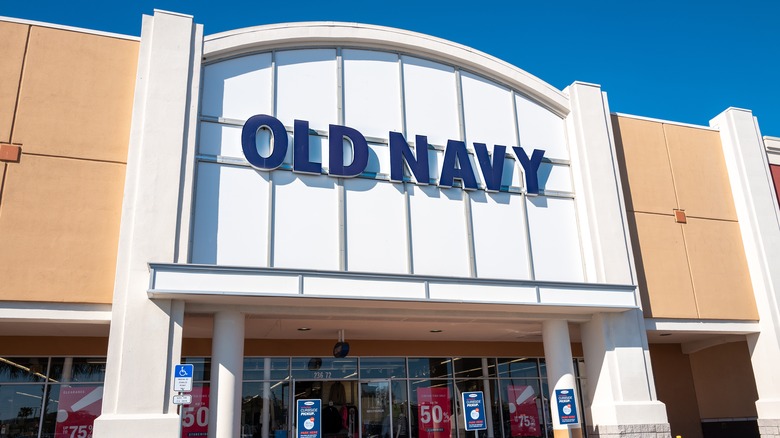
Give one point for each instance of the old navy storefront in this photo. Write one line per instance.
(375, 219)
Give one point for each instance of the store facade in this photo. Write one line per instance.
(450, 222)
(362, 179)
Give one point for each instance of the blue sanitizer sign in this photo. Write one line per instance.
(309, 415)
(474, 410)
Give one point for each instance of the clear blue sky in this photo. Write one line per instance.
(671, 59)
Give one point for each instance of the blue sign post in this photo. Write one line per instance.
(474, 410)
(309, 415)
(567, 406)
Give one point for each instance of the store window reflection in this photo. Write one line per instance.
(50, 397)
(383, 397)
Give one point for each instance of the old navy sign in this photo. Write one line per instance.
(455, 165)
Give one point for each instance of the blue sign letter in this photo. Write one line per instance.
(336, 136)
(278, 142)
(491, 172)
(400, 152)
(456, 154)
(530, 167)
(301, 161)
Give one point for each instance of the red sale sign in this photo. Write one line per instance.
(195, 416)
(433, 412)
(523, 414)
(78, 407)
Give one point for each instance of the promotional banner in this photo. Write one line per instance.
(474, 410)
(433, 412)
(195, 416)
(78, 407)
(309, 416)
(567, 408)
(523, 413)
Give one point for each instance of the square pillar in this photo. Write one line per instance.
(620, 388)
(757, 211)
(145, 339)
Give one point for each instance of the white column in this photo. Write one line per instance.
(621, 392)
(560, 373)
(144, 342)
(600, 206)
(757, 212)
(227, 369)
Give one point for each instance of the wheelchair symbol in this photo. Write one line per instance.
(182, 372)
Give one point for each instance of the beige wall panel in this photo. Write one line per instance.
(723, 376)
(59, 228)
(662, 266)
(700, 176)
(675, 388)
(77, 95)
(719, 270)
(645, 169)
(52, 346)
(13, 39)
(324, 348)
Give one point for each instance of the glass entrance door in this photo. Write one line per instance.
(375, 409)
(339, 417)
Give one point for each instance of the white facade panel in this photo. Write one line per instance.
(482, 293)
(431, 101)
(318, 151)
(500, 239)
(555, 240)
(372, 92)
(487, 110)
(340, 287)
(587, 297)
(231, 216)
(306, 227)
(378, 160)
(555, 177)
(224, 140)
(306, 87)
(226, 283)
(513, 174)
(439, 231)
(540, 128)
(376, 226)
(238, 88)
(435, 159)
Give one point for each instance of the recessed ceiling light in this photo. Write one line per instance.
(304, 329)
(436, 331)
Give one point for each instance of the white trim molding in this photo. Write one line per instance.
(55, 312)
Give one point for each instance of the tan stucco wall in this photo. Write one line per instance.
(675, 388)
(13, 40)
(696, 269)
(60, 204)
(76, 96)
(725, 386)
(52, 346)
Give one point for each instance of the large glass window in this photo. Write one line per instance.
(385, 397)
(47, 397)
